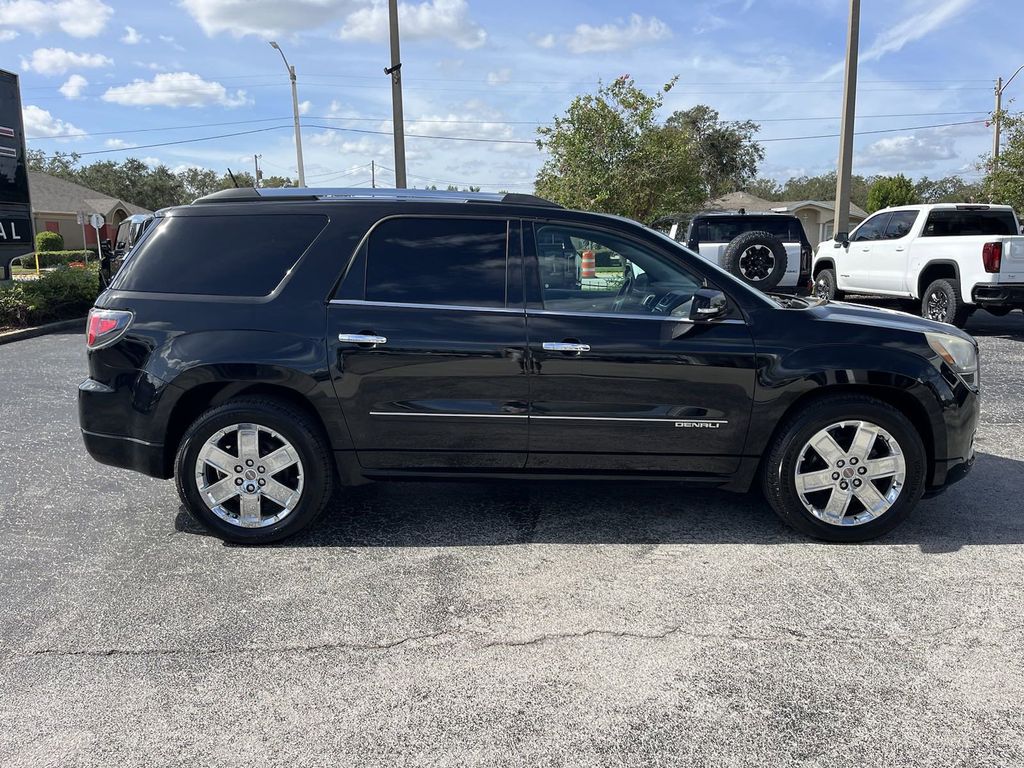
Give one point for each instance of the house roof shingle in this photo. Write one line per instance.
(54, 195)
(736, 200)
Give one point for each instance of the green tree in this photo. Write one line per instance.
(726, 151)
(949, 189)
(891, 190)
(60, 164)
(766, 189)
(1004, 181)
(274, 182)
(608, 153)
(823, 187)
(198, 182)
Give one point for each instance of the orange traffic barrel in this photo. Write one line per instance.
(589, 266)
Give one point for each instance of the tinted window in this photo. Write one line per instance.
(219, 255)
(900, 224)
(627, 278)
(954, 223)
(872, 229)
(724, 229)
(438, 261)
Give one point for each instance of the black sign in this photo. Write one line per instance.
(16, 237)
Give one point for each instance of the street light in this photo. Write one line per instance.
(295, 108)
(1000, 87)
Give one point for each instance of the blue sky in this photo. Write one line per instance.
(110, 77)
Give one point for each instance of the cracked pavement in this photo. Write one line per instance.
(501, 624)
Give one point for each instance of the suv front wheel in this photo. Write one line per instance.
(847, 468)
(254, 471)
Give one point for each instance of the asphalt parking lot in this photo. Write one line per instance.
(439, 624)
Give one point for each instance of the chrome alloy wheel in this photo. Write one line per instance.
(850, 473)
(249, 476)
(938, 306)
(822, 288)
(757, 262)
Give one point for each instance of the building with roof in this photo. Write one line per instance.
(815, 215)
(56, 204)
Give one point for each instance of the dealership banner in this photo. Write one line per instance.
(16, 238)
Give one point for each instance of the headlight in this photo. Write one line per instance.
(959, 354)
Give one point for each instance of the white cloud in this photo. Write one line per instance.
(305, 106)
(7, 34)
(118, 144)
(931, 17)
(78, 18)
(547, 41)
(132, 36)
(57, 61)
(499, 77)
(619, 36)
(39, 124)
(429, 20)
(174, 89)
(905, 152)
(266, 18)
(72, 88)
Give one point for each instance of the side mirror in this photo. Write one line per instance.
(842, 239)
(707, 304)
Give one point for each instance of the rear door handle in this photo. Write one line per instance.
(362, 338)
(565, 346)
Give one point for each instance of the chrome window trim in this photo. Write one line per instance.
(510, 310)
(660, 420)
(407, 305)
(667, 420)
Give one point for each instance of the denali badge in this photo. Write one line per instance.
(700, 424)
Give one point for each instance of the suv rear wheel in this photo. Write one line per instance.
(847, 468)
(254, 470)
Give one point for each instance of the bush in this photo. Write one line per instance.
(49, 241)
(63, 293)
(56, 258)
(15, 307)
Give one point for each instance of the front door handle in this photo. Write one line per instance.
(362, 338)
(565, 346)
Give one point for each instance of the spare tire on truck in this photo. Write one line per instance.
(756, 258)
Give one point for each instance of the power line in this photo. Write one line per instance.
(865, 133)
(183, 141)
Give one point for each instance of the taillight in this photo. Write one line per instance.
(992, 256)
(106, 326)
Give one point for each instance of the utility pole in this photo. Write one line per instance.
(395, 70)
(373, 174)
(998, 114)
(295, 111)
(258, 176)
(841, 223)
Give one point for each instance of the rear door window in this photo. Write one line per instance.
(900, 224)
(219, 255)
(456, 262)
(946, 222)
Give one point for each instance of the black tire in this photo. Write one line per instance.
(941, 301)
(999, 311)
(757, 258)
(304, 435)
(825, 286)
(779, 481)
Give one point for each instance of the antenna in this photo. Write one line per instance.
(233, 179)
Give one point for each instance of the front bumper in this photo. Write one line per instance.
(998, 294)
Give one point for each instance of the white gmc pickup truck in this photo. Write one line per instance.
(946, 259)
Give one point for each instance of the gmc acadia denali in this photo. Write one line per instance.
(264, 347)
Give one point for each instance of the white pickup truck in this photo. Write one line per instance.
(946, 259)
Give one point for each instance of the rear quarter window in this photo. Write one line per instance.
(219, 255)
(964, 223)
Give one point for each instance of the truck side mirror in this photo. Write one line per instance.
(842, 239)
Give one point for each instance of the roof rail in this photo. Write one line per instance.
(245, 194)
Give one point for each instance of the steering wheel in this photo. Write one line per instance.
(624, 291)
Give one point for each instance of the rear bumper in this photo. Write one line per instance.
(126, 452)
(104, 411)
(998, 294)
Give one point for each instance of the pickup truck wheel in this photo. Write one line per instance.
(254, 471)
(847, 468)
(825, 286)
(942, 302)
(757, 258)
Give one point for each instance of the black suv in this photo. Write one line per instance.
(266, 346)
